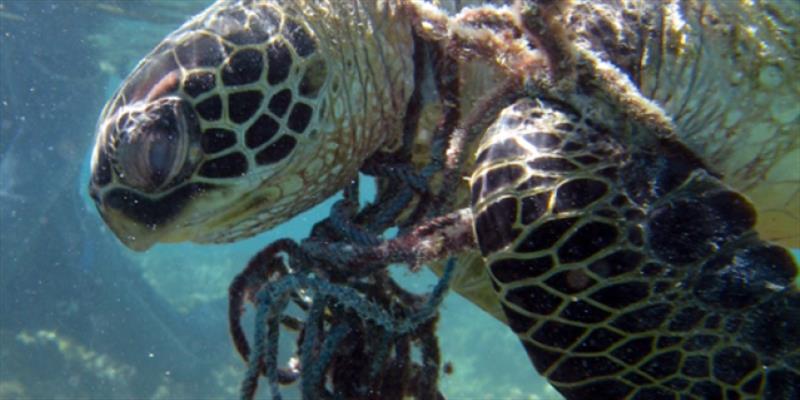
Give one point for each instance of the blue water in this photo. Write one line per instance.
(83, 317)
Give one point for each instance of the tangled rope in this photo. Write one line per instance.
(338, 277)
(336, 314)
(353, 310)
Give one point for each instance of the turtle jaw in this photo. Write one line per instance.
(139, 220)
(134, 236)
(139, 223)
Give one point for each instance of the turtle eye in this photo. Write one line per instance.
(151, 146)
(159, 159)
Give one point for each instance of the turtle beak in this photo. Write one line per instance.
(134, 236)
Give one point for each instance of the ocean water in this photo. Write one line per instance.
(83, 317)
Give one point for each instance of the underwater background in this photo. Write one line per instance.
(83, 317)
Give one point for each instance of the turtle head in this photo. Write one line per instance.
(243, 118)
(148, 146)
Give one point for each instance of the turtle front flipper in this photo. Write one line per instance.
(627, 270)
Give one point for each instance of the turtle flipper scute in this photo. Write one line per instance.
(627, 269)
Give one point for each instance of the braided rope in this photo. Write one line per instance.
(272, 300)
(342, 267)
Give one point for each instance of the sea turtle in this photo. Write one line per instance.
(612, 232)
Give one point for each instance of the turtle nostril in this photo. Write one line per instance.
(94, 194)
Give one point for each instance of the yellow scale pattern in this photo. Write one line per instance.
(630, 272)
